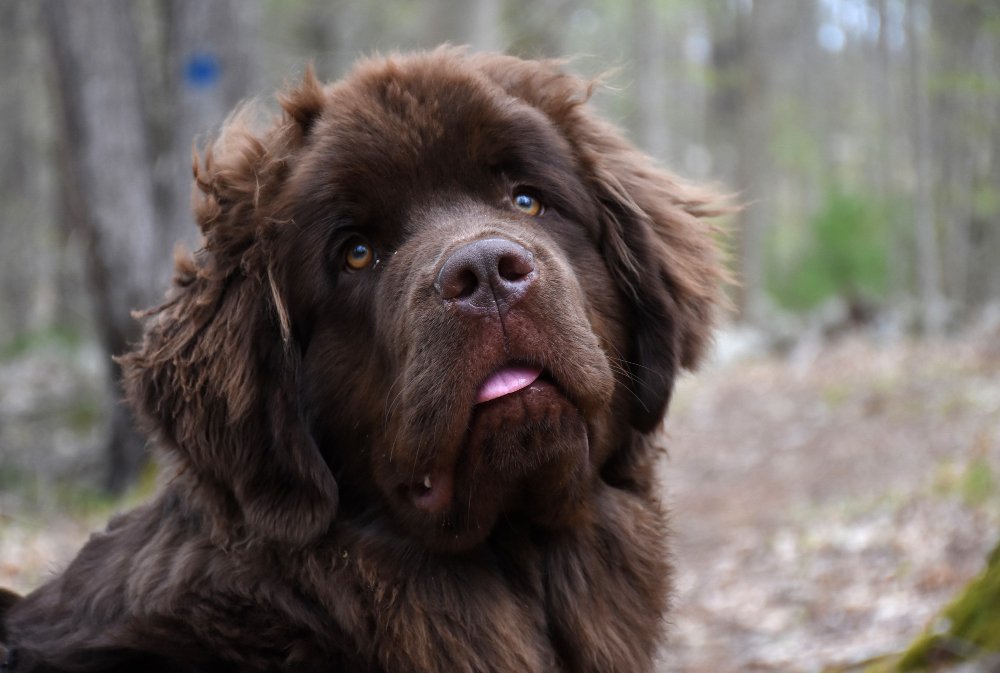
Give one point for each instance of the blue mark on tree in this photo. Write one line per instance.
(202, 70)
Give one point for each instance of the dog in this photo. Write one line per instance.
(405, 396)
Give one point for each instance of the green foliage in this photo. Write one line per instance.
(60, 337)
(986, 200)
(35, 495)
(84, 414)
(793, 144)
(975, 482)
(39, 498)
(842, 253)
(978, 482)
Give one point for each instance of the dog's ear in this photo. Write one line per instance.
(663, 254)
(655, 232)
(7, 600)
(216, 376)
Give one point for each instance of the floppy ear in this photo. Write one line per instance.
(7, 600)
(654, 233)
(216, 376)
(664, 257)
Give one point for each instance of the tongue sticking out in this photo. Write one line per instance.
(507, 380)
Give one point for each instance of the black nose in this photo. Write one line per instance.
(486, 273)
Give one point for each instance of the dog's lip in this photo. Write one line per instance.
(434, 492)
(507, 380)
(432, 489)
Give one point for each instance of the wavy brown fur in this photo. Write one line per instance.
(295, 403)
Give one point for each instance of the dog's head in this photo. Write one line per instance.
(440, 285)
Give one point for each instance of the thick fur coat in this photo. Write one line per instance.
(404, 395)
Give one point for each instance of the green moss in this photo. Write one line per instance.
(968, 629)
(880, 664)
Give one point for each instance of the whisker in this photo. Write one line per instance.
(392, 404)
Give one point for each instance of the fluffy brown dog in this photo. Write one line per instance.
(404, 394)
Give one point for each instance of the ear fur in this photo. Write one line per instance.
(655, 237)
(7, 600)
(665, 259)
(215, 376)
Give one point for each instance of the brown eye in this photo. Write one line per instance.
(359, 255)
(527, 204)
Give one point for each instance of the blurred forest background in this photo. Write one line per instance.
(855, 391)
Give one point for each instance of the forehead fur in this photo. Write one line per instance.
(397, 130)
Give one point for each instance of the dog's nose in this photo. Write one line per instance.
(486, 273)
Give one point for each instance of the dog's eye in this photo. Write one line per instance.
(527, 203)
(359, 255)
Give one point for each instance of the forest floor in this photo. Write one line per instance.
(826, 502)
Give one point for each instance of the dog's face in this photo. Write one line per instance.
(465, 300)
(458, 323)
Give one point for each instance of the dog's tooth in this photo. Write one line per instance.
(427, 481)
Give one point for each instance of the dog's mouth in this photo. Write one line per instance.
(514, 395)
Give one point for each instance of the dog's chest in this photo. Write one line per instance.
(579, 603)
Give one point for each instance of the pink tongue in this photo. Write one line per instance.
(505, 381)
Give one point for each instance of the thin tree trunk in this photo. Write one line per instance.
(474, 22)
(485, 25)
(895, 258)
(96, 58)
(956, 29)
(739, 114)
(928, 250)
(652, 82)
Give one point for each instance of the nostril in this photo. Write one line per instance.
(514, 267)
(465, 285)
(457, 282)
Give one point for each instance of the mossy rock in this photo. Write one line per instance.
(967, 630)
(966, 635)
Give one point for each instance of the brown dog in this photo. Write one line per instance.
(404, 394)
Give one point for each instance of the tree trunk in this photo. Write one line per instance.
(96, 59)
(967, 34)
(896, 257)
(739, 115)
(18, 257)
(473, 22)
(211, 60)
(932, 313)
(652, 84)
